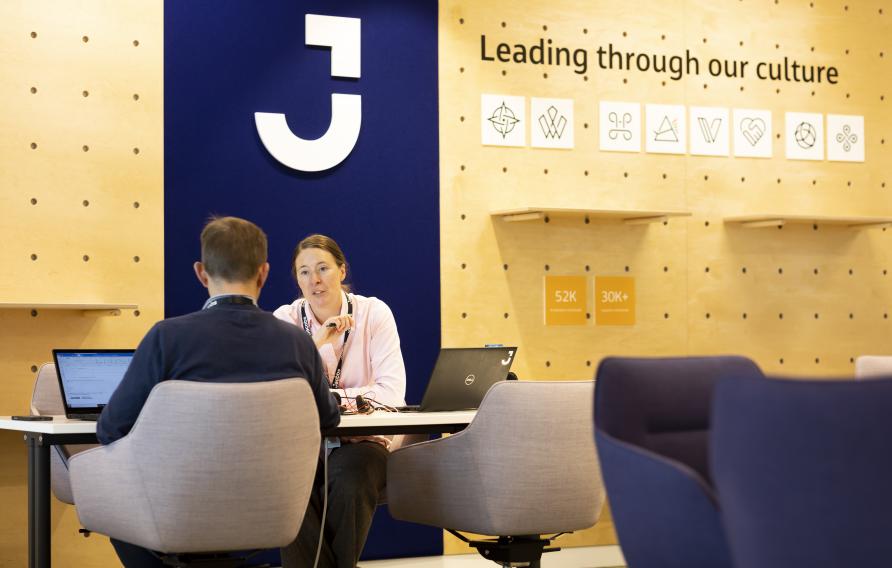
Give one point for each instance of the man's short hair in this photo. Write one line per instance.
(232, 249)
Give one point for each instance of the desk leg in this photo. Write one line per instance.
(38, 502)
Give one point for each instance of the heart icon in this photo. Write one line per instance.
(752, 129)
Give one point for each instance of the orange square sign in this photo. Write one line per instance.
(566, 300)
(614, 300)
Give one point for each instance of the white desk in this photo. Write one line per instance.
(40, 436)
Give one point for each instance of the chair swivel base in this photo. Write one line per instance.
(208, 561)
(511, 550)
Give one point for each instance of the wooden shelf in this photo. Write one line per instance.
(767, 220)
(627, 216)
(90, 310)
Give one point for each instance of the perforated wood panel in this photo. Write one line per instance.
(81, 191)
(804, 299)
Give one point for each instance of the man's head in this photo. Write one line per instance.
(233, 257)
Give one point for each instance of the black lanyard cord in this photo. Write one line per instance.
(306, 322)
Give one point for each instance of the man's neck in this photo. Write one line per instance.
(233, 288)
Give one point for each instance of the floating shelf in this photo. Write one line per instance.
(627, 216)
(762, 221)
(90, 310)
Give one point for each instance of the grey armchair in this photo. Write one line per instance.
(208, 467)
(873, 366)
(526, 466)
(46, 400)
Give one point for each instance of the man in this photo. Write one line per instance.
(229, 340)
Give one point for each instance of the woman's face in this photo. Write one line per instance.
(319, 277)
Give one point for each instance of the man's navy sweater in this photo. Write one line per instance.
(229, 343)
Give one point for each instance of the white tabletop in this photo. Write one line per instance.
(62, 425)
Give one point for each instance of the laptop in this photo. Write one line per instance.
(88, 377)
(462, 376)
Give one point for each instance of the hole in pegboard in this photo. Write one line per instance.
(33, 90)
(665, 269)
(34, 313)
(33, 35)
(814, 182)
(545, 171)
(743, 270)
(851, 316)
(780, 316)
(504, 24)
(781, 360)
(780, 270)
(816, 271)
(585, 30)
(504, 72)
(461, 69)
(506, 315)
(741, 88)
(627, 268)
(705, 178)
(625, 174)
(705, 223)
(136, 151)
(136, 313)
(463, 266)
(33, 368)
(85, 94)
(704, 40)
(851, 272)
(85, 203)
(586, 220)
(778, 180)
(463, 217)
(547, 268)
(706, 269)
(136, 204)
(666, 315)
(33, 145)
(85, 148)
(85, 39)
(461, 119)
(135, 96)
(547, 219)
(625, 81)
(464, 315)
(588, 363)
(814, 227)
(742, 179)
(708, 315)
(544, 28)
(586, 174)
(587, 267)
(817, 315)
(504, 267)
(33, 256)
(705, 86)
(86, 258)
(851, 359)
(545, 75)
(504, 170)
(136, 259)
(817, 360)
(33, 201)
(744, 316)
(136, 43)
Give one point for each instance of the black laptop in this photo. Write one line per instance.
(462, 376)
(88, 377)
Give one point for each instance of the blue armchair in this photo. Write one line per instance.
(652, 430)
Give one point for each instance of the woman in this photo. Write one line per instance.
(360, 349)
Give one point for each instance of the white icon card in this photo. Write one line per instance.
(805, 136)
(665, 129)
(845, 138)
(502, 120)
(752, 133)
(709, 131)
(551, 123)
(620, 126)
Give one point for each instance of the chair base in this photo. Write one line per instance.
(208, 561)
(511, 550)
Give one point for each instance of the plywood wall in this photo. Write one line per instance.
(799, 300)
(81, 195)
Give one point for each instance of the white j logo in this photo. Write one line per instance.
(343, 36)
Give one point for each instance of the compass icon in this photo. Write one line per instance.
(503, 120)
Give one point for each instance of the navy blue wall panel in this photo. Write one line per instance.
(227, 59)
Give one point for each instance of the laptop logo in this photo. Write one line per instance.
(508, 360)
(342, 35)
(469, 380)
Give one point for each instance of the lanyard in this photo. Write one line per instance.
(303, 316)
(234, 300)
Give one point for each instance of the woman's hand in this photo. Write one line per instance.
(332, 328)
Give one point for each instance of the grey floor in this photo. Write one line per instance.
(584, 557)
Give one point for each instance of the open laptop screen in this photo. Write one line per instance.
(89, 377)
